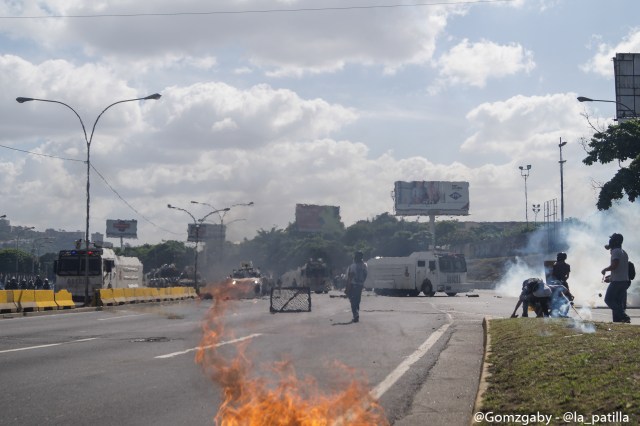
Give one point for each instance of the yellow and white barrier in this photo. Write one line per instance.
(6, 302)
(64, 300)
(45, 300)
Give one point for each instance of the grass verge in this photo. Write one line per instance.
(556, 366)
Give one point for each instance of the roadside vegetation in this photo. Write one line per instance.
(558, 366)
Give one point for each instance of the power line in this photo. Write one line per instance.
(129, 205)
(101, 177)
(256, 11)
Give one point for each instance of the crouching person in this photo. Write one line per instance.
(535, 293)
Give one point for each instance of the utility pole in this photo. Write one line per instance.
(524, 172)
(560, 145)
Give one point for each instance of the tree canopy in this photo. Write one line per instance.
(621, 143)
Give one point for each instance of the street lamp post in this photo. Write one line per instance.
(524, 172)
(88, 141)
(35, 251)
(196, 224)
(536, 210)
(18, 243)
(560, 145)
(250, 203)
(585, 99)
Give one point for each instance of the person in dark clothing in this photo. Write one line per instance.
(356, 276)
(535, 293)
(561, 270)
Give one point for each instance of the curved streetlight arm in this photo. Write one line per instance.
(22, 100)
(225, 210)
(585, 99)
(155, 96)
(186, 211)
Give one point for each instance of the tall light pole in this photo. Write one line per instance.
(18, 242)
(35, 251)
(536, 210)
(196, 224)
(222, 233)
(524, 172)
(560, 145)
(88, 141)
(633, 113)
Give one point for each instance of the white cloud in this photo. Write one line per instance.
(473, 64)
(602, 63)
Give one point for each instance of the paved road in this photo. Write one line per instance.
(135, 365)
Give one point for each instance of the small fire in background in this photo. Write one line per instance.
(283, 400)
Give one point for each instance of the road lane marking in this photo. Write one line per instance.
(122, 316)
(171, 355)
(395, 375)
(47, 346)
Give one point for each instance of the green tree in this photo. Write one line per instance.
(619, 143)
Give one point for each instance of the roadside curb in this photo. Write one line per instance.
(484, 371)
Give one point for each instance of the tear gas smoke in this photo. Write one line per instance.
(585, 241)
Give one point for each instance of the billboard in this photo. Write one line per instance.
(627, 79)
(431, 198)
(206, 232)
(122, 228)
(313, 218)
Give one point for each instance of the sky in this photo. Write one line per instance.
(300, 101)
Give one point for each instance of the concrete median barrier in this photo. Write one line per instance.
(45, 300)
(104, 297)
(119, 296)
(130, 295)
(26, 300)
(6, 302)
(64, 300)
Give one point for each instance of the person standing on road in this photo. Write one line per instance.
(561, 269)
(618, 280)
(356, 276)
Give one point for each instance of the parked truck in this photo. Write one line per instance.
(428, 272)
(106, 270)
(315, 274)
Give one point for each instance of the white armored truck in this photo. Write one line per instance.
(106, 270)
(425, 271)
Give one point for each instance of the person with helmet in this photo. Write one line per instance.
(356, 276)
(618, 280)
(561, 269)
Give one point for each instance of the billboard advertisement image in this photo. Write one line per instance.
(122, 228)
(427, 198)
(313, 218)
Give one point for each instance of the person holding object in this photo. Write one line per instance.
(561, 269)
(618, 280)
(356, 276)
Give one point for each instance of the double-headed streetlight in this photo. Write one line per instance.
(536, 209)
(221, 216)
(633, 113)
(88, 141)
(196, 227)
(524, 172)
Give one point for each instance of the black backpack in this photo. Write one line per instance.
(632, 271)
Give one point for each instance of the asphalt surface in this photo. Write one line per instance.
(449, 393)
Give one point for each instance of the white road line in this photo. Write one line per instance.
(122, 316)
(393, 377)
(47, 346)
(251, 336)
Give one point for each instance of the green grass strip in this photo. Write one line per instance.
(555, 366)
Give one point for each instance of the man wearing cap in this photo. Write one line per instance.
(618, 279)
(356, 276)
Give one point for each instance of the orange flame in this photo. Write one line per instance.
(283, 400)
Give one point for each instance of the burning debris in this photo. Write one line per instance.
(283, 400)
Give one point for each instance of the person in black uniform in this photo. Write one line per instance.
(561, 269)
